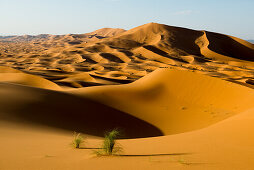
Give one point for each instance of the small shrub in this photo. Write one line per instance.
(109, 146)
(109, 141)
(77, 140)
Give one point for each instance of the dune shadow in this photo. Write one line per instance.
(111, 57)
(121, 81)
(69, 112)
(127, 53)
(87, 59)
(226, 45)
(162, 53)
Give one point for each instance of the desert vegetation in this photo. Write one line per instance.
(77, 140)
(109, 146)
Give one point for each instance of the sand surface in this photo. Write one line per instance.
(183, 99)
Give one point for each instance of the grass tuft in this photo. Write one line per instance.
(77, 140)
(110, 147)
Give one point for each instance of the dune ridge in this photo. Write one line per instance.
(239, 49)
(175, 101)
(133, 54)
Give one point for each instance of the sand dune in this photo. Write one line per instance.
(175, 101)
(165, 102)
(107, 32)
(224, 47)
(140, 50)
(224, 145)
(184, 88)
(9, 75)
(38, 106)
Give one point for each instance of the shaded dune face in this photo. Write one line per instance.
(230, 46)
(224, 47)
(64, 111)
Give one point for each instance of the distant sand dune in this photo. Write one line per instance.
(107, 50)
(10, 75)
(222, 47)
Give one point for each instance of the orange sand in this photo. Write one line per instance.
(182, 98)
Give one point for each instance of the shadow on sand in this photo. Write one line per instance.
(67, 111)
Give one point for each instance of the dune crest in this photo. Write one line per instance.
(225, 48)
(133, 54)
(175, 101)
(9, 75)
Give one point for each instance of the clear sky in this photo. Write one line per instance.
(17, 17)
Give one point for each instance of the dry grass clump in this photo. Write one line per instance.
(77, 140)
(110, 147)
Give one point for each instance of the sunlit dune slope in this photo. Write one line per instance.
(176, 41)
(117, 54)
(175, 101)
(5, 69)
(107, 32)
(225, 145)
(9, 75)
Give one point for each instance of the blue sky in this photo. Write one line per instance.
(17, 17)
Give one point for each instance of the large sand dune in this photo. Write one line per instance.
(179, 96)
(165, 102)
(175, 101)
(129, 55)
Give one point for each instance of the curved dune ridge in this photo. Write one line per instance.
(107, 32)
(5, 69)
(175, 101)
(9, 75)
(168, 101)
(223, 47)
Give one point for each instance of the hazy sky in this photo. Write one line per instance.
(233, 17)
